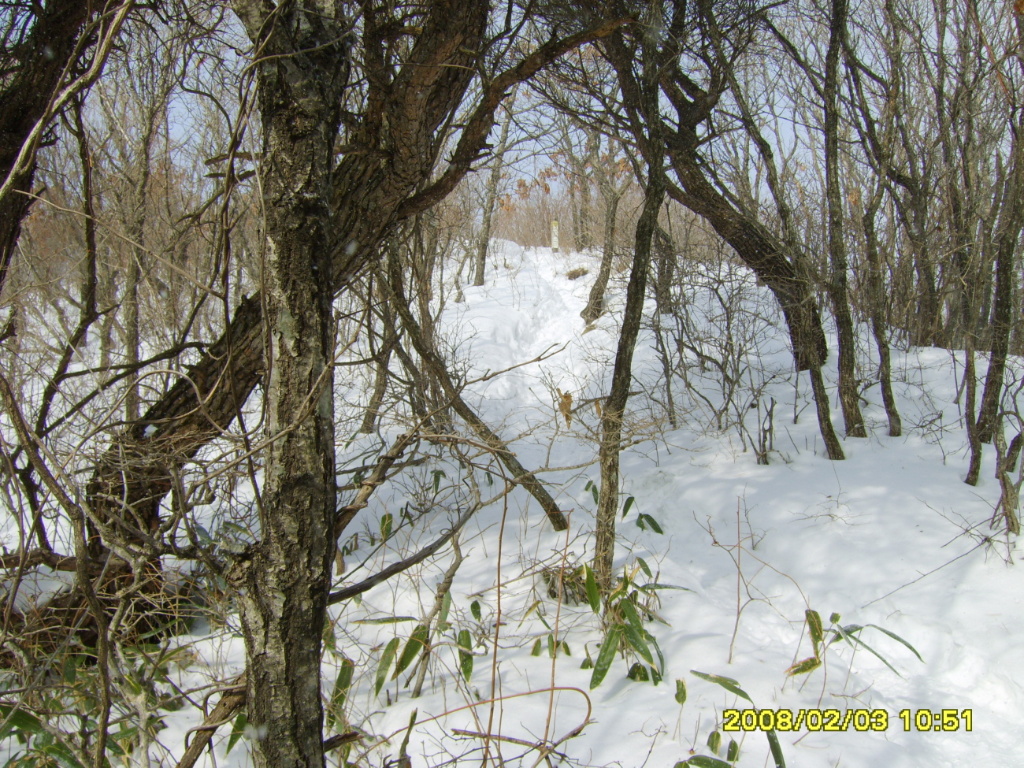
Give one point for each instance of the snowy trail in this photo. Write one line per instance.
(891, 537)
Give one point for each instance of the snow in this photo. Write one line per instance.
(891, 537)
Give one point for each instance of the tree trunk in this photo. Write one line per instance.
(595, 300)
(383, 177)
(837, 289)
(758, 251)
(622, 377)
(491, 195)
(386, 181)
(33, 71)
(876, 311)
(1008, 230)
(438, 371)
(286, 575)
(641, 94)
(380, 381)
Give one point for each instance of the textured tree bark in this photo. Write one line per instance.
(1008, 231)
(622, 377)
(302, 71)
(838, 262)
(641, 96)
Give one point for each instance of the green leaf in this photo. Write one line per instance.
(62, 754)
(714, 741)
(845, 633)
(728, 683)
(16, 718)
(605, 656)
(645, 568)
(732, 754)
(655, 675)
(237, 729)
(465, 642)
(898, 639)
(626, 506)
(680, 692)
(593, 591)
(803, 667)
(438, 474)
(636, 641)
(834, 618)
(235, 530)
(638, 672)
(702, 761)
(537, 648)
(655, 587)
(593, 492)
(848, 633)
(203, 535)
(446, 606)
(120, 744)
(418, 643)
(70, 670)
(776, 749)
(815, 628)
(384, 665)
(341, 685)
(643, 520)
(474, 608)
(387, 522)
(657, 649)
(43, 739)
(386, 620)
(629, 612)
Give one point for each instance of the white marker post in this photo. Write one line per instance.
(554, 235)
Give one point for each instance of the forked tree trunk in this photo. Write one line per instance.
(837, 289)
(369, 196)
(641, 91)
(436, 369)
(876, 311)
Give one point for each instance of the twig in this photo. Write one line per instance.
(232, 700)
(928, 573)
(402, 565)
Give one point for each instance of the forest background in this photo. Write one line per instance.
(232, 237)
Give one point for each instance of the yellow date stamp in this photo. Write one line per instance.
(835, 720)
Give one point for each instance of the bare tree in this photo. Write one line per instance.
(343, 161)
(491, 192)
(638, 63)
(49, 56)
(613, 177)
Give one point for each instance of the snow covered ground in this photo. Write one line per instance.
(890, 538)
